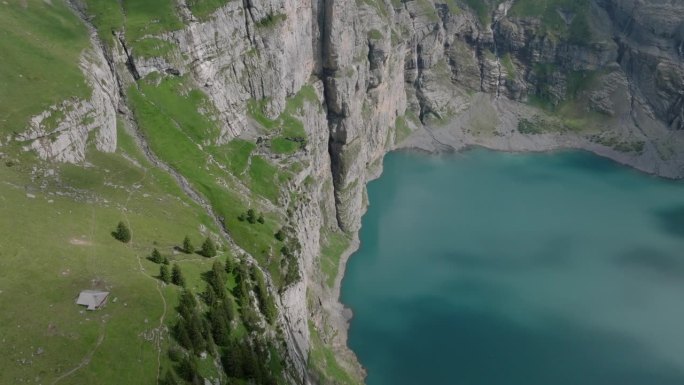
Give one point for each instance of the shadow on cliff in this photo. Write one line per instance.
(444, 345)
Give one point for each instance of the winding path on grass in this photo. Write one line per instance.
(86, 360)
(158, 335)
(89, 356)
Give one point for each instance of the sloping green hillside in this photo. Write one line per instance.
(41, 43)
(58, 219)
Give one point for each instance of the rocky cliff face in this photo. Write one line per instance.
(61, 133)
(605, 75)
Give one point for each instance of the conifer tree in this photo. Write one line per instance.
(122, 233)
(187, 246)
(219, 323)
(177, 276)
(187, 369)
(230, 264)
(241, 290)
(250, 364)
(182, 336)
(228, 308)
(232, 361)
(194, 327)
(208, 248)
(251, 216)
(266, 303)
(218, 278)
(164, 274)
(156, 256)
(210, 295)
(187, 304)
(171, 378)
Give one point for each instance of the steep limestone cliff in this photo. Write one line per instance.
(603, 75)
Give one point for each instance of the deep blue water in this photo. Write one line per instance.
(486, 268)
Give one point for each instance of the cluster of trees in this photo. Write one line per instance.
(156, 257)
(242, 293)
(251, 217)
(288, 264)
(249, 361)
(208, 326)
(266, 303)
(207, 323)
(175, 276)
(208, 248)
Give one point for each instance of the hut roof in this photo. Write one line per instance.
(93, 299)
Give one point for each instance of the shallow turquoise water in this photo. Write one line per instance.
(487, 268)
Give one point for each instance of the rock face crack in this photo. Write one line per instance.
(130, 61)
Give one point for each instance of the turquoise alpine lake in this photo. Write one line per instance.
(488, 268)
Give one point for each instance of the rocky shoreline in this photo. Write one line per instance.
(455, 136)
(451, 137)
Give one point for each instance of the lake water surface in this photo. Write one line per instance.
(486, 268)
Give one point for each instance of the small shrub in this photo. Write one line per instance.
(285, 251)
(271, 20)
(528, 127)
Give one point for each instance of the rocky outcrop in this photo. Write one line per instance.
(649, 37)
(61, 133)
(256, 50)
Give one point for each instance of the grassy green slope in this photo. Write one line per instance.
(56, 242)
(230, 176)
(40, 43)
(204, 8)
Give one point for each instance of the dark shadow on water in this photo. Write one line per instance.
(554, 253)
(651, 260)
(585, 161)
(672, 220)
(462, 346)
